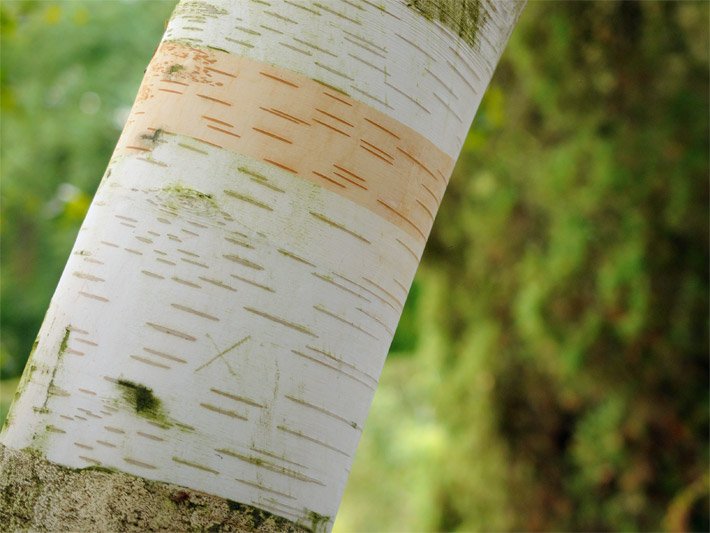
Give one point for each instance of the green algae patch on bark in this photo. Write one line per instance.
(178, 199)
(319, 522)
(143, 401)
(38, 495)
(32, 369)
(65, 342)
(198, 9)
(463, 17)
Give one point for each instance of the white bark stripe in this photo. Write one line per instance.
(383, 53)
(226, 311)
(261, 327)
(294, 123)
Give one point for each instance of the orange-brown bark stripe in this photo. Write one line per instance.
(403, 170)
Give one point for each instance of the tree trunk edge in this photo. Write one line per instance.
(38, 495)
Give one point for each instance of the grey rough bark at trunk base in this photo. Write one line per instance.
(37, 495)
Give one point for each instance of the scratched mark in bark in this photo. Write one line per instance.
(221, 354)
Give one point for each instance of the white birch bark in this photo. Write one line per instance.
(226, 311)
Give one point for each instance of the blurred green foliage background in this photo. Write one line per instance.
(551, 368)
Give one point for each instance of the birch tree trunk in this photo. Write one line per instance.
(222, 321)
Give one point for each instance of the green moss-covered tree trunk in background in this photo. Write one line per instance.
(580, 343)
